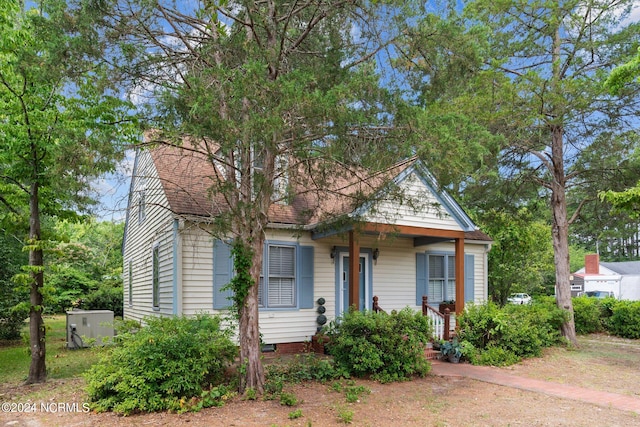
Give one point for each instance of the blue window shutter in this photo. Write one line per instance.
(469, 279)
(222, 269)
(306, 277)
(421, 277)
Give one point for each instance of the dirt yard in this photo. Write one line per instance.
(602, 363)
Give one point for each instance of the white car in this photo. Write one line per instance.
(519, 298)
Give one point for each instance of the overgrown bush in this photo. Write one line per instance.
(389, 347)
(625, 319)
(104, 298)
(591, 314)
(12, 319)
(173, 363)
(502, 336)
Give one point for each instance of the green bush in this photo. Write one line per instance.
(105, 298)
(510, 333)
(171, 363)
(389, 347)
(591, 314)
(12, 319)
(625, 319)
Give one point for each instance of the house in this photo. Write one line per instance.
(621, 278)
(313, 270)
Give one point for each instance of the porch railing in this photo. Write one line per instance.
(441, 322)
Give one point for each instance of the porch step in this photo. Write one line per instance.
(431, 354)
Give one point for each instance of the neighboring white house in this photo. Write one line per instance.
(172, 266)
(621, 278)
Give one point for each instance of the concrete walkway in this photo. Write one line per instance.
(494, 375)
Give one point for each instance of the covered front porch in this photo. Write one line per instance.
(354, 280)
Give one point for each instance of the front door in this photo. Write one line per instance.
(342, 297)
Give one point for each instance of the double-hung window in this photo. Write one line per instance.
(442, 277)
(286, 281)
(279, 288)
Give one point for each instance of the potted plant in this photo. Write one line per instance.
(451, 350)
(450, 304)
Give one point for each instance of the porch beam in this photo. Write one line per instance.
(372, 227)
(354, 269)
(459, 275)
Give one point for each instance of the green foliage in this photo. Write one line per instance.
(625, 319)
(589, 315)
(511, 332)
(12, 315)
(163, 366)
(345, 415)
(521, 257)
(353, 393)
(295, 414)
(106, 297)
(389, 347)
(288, 399)
(303, 367)
(242, 281)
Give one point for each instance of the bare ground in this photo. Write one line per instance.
(601, 363)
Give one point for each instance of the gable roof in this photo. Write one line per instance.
(624, 267)
(187, 177)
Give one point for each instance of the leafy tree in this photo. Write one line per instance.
(539, 88)
(521, 256)
(58, 124)
(279, 96)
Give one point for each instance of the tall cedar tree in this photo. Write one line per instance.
(57, 127)
(279, 95)
(539, 88)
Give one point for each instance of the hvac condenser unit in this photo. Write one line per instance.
(88, 327)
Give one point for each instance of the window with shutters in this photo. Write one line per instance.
(279, 288)
(286, 281)
(442, 278)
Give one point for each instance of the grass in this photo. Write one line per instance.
(61, 363)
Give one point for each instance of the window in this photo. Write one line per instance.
(155, 279)
(142, 205)
(130, 282)
(279, 290)
(442, 278)
(286, 280)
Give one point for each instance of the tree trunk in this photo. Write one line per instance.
(249, 330)
(560, 233)
(37, 370)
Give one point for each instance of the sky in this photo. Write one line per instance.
(113, 191)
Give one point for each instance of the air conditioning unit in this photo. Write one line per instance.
(88, 327)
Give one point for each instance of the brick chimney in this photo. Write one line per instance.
(592, 264)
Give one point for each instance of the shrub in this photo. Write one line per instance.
(389, 347)
(625, 319)
(303, 367)
(168, 364)
(589, 315)
(105, 298)
(12, 320)
(501, 336)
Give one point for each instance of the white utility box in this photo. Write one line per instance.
(83, 325)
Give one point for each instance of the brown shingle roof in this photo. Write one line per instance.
(188, 177)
